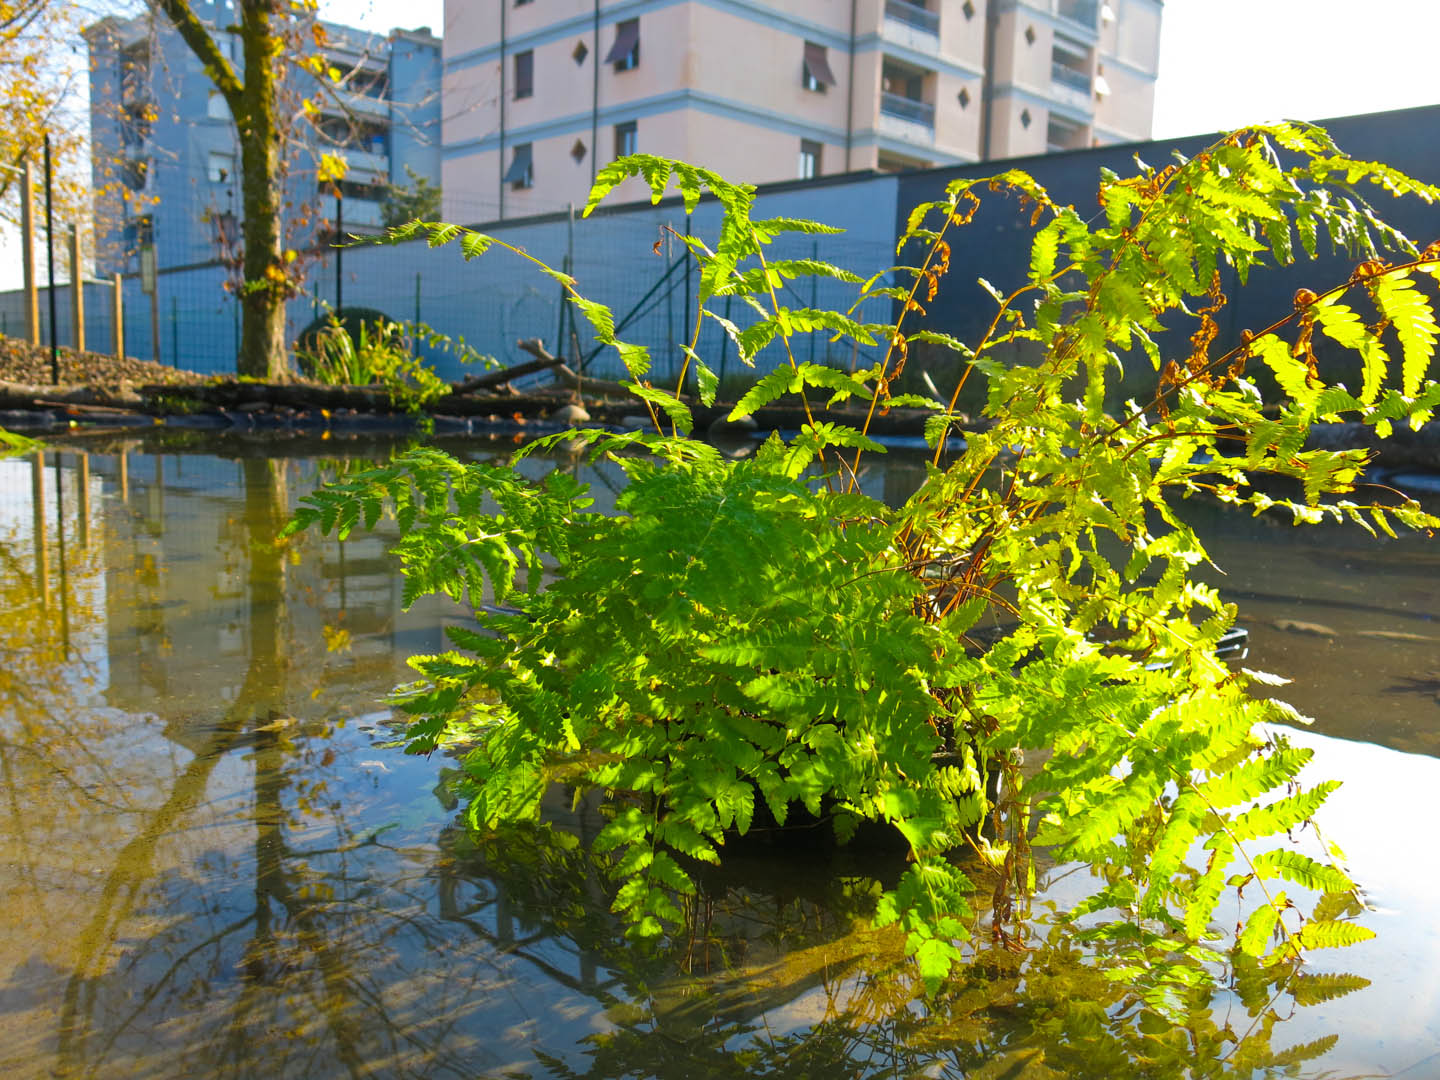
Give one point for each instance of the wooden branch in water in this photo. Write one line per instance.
(493, 379)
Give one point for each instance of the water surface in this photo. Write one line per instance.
(215, 860)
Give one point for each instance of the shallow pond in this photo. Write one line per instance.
(215, 861)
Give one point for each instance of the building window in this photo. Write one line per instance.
(521, 173)
(627, 139)
(138, 232)
(216, 107)
(810, 159)
(219, 166)
(136, 123)
(815, 73)
(522, 3)
(135, 173)
(524, 74)
(625, 53)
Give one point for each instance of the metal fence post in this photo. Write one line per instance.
(117, 314)
(339, 253)
(27, 253)
(50, 261)
(77, 290)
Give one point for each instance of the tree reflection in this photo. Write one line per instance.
(175, 965)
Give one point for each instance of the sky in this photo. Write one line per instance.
(1226, 63)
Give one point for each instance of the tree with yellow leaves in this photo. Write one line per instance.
(37, 72)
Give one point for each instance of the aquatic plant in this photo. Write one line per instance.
(12, 443)
(745, 638)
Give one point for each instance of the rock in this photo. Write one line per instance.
(570, 415)
(635, 423)
(1295, 626)
(572, 447)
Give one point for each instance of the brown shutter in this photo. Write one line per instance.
(625, 41)
(816, 65)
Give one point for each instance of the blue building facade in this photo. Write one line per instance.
(166, 155)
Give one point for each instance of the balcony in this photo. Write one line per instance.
(1070, 78)
(911, 26)
(906, 119)
(1084, 12)
(348, 104)
(904, 108)
(1062, 134)
(363, 214)
(364, 162)
(916, 15)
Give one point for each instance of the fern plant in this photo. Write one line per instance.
(744, 638)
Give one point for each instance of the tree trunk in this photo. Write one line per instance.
(262, 331)
(253, 103)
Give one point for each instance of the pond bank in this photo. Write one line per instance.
(106, 392)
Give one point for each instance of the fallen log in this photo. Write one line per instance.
(237, 396)
(605, 388)
(499, 378)
(26, 396)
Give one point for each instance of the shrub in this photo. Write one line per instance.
(758, 634)
(381, 353)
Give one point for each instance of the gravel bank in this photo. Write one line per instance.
(24, 363)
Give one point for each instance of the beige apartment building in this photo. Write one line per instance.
(538, 94)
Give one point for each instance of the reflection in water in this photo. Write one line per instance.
(216, 863)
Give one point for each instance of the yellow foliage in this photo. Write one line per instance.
(332, 167)
(37, 67)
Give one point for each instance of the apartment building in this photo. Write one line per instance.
(162, 132)
(540, 93)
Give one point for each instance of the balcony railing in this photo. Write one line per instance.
(913, 15)
(1068, 76)
(1084, 12)
(917, 112)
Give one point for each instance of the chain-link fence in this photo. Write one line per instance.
(630, 258)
